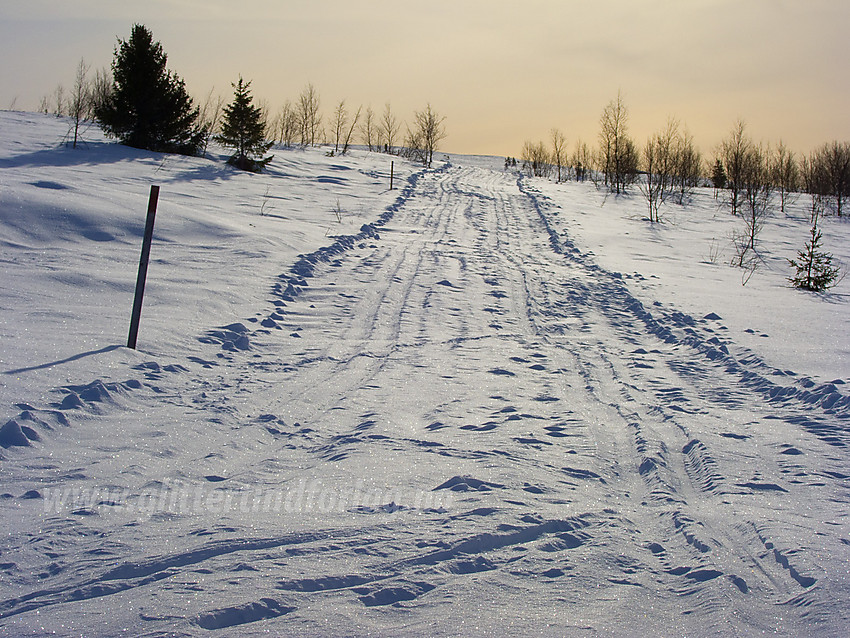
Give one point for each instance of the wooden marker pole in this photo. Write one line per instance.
(143, 268)
(392, 166)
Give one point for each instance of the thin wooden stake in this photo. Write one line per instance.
(392, 166)
(143, 268)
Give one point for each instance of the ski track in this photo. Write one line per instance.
(589, 449)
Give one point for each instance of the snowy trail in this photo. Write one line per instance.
(457, 422)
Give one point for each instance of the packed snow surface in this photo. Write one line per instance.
(476, 404)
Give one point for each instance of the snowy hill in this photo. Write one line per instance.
(478, 404)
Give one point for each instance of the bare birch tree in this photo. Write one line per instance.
(814, 183)
(618, 152)
(388, 128)
(659, 165)
(834, 164)
(756, 187)
(79, 103)
(346, 142)
(101, 89)
(559, 144)
(536, 159)
(733, 154)
(688, 166)
(431, 127)
(413, 146)
(582, 161)
(287, 124)
(340, 124)
(309, 117)
(784, 174)
(59, 101)
(368, 129)
(209, 117)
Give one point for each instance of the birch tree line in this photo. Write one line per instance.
(301, 122)
(669, 166)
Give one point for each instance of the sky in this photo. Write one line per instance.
(501, 72)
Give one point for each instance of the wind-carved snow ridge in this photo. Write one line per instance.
(96, 397)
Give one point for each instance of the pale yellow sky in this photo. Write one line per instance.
(500, 71)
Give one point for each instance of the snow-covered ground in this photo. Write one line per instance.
(478, 404)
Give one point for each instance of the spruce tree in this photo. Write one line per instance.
(244, 130)
(814, 267)
(148, 106)
(718, 177)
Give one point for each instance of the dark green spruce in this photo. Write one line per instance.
(148, 106)
(243, 129)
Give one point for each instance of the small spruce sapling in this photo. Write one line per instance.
(815, 269)
(718, 177)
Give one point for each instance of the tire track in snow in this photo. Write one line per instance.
(652, 454)
(374, 324)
